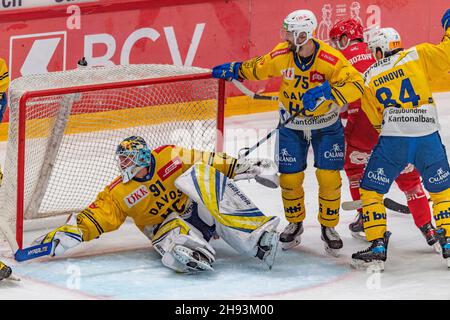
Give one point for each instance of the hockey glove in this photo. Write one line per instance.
(311, 96)
(264, 171)
(446, 20)
(227, 71)
(62, 238)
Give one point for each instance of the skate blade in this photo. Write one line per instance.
(288, 245)
(437, 247)
(373, 266)
(359, 235)
(269, 260)
(13, 278)
(331, 251)
(183, 255)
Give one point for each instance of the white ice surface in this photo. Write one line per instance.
(122, 264)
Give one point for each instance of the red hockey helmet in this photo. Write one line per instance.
(349, 27)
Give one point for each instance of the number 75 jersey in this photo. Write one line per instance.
(398, 99)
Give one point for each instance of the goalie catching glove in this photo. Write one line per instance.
(62, 238)
(264, 171)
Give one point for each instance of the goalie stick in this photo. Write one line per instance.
(388, 203)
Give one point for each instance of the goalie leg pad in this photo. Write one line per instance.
(293, 196)
(237, 220)
(329, 197)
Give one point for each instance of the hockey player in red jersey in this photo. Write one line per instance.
(361, 136)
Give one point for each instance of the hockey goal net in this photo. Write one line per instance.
(64, 128)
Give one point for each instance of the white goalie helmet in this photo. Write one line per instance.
(384, 40)
(298, 27)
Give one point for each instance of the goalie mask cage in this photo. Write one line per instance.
(65, 126)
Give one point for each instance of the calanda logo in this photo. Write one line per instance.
(284, 156)
(440, 176)
(378, 176)
(335, 152)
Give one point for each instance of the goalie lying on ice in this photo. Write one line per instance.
(179, 198)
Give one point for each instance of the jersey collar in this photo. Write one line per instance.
(306, 66)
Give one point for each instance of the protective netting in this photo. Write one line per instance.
(70, 138)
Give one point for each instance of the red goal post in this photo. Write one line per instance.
(64, 128)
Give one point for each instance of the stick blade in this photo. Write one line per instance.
(33, 252)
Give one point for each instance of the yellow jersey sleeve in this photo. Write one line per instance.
(373, 110)
(435, 58)
(219, 160)
(264, 67)
(347, 84)
(103, 215)
(4, 76)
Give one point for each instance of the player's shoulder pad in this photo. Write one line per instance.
(280, 49)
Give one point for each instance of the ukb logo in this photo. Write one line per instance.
(336, 153)
(378, 176)
(440, 176)
(285, 156)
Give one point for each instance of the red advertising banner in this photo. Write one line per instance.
(183, 32)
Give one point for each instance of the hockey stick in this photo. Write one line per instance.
(256, 96)
(388, 203)
(252, 94)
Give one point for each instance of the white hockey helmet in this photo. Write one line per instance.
(384, 40)
(299, 22)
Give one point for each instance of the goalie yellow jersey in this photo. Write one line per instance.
(298, 76)
(398, 99)
(151, 199)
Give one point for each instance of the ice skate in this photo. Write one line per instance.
(431, 236)
(194, 260)
(445, 245)
(291, 236)
(332, 241)
(372, 258)
(267, 247)
(6, 273)
(357, 227)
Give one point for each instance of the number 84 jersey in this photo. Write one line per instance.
(398, 98)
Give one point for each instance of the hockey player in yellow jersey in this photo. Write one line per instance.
(4, 84)
(179, 198)
(316, 81)
(399, 103)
